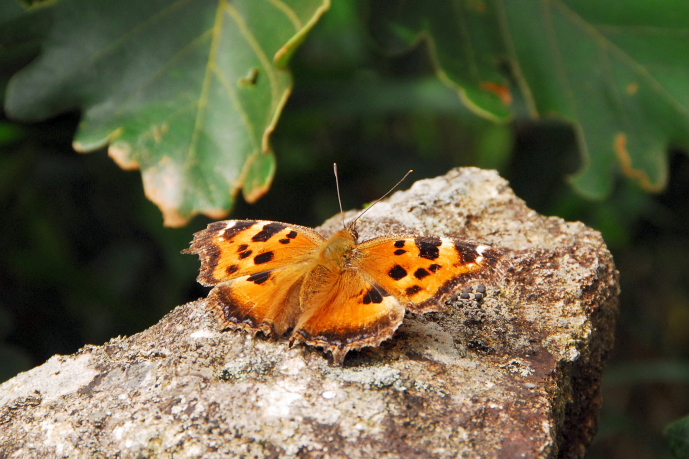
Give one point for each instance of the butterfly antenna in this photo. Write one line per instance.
(381, 198)
(339, 200)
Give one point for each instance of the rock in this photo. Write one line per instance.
(516, 374)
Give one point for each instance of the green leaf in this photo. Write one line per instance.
(678, 435)
(464, 42)
(187, 91)
(20, 34)
(617, 71)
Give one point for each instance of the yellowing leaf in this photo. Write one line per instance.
(187, 91)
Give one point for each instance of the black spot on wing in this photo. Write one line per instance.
(263, 258)
(284, 241)
(268, 231)
(400, 252)
(434, 267)
(421, 273)
(245, 254)
(259, 278)
(242, 247)
(292, 234)
(374, 296)
(467, 252)
(397, 272)
(232, 269)
(411, 291)
(428, 247)
(399, 244)
(238, 227)
(216, 226)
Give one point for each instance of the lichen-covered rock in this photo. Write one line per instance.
(514, 375)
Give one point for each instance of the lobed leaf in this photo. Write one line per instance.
(617, 71)
(187, 91)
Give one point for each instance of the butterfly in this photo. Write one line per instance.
(334, 293)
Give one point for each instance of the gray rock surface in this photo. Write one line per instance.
(515, 375)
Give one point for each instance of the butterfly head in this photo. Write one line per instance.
(351, 232)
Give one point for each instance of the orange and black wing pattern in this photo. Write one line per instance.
(420, 270)
(345, 312)
(236, 248)
(256, 266)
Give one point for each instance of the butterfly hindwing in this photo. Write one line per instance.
(235, 248)
(346, 313)
(267, 301)
(417, 269)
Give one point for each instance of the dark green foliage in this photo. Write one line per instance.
(678, 434)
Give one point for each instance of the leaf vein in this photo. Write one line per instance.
(289, 12)
(635, 66)
(198, 41)
(232, 94)
(256, 47)
(205, 90)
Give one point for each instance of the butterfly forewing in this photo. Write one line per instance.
(235, 248)
(418, 270)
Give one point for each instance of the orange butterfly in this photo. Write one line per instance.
(334, 293)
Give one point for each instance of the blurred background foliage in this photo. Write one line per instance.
(84, 256)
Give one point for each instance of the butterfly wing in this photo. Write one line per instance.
(344, 312)
(235, 248)
(255, 266)
(420, 270)
(267, 301)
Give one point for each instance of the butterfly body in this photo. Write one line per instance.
(334, 293)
